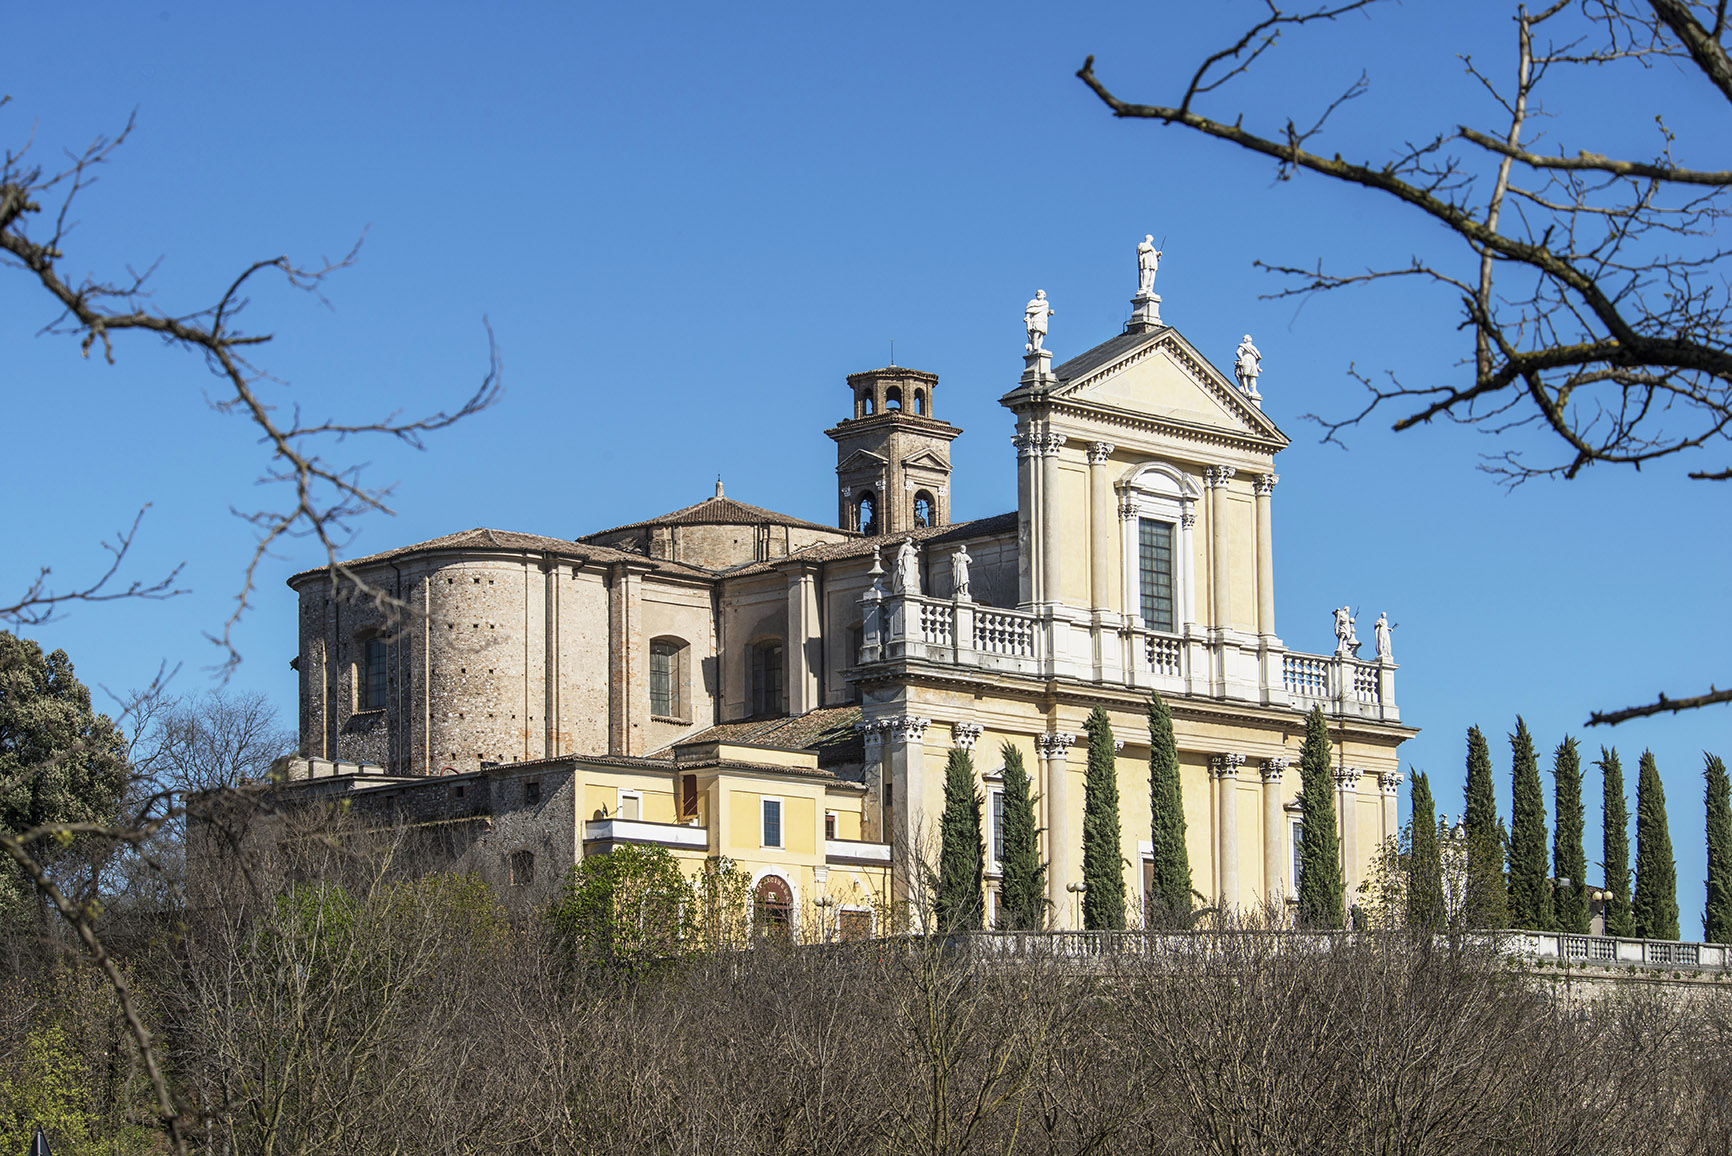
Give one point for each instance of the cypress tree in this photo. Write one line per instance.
(1170, 887)
(1615, 844)
(1717, 914)
(1486, 901)
(1103, 861)
(1022, 889)
(1569, 859)
(1654, 906)
(1320, 884)
(1426, 913)
(1530, 899)
(962, 853)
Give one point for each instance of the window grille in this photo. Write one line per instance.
(1155, 561)
(373, 683)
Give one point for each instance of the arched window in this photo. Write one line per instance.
(866, 513)
(773, 909)
(1158, 583)
(920, 401)
(765, 661)
(667, 677)
(893, 398)
(867, 405)
(925, 509)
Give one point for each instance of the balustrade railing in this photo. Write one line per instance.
(1003, 632)
(1305, 675)
(937, 624)
(1062, 642)
(1166, 655)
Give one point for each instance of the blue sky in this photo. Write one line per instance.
(687, 223)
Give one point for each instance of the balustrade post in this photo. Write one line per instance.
(962, 629)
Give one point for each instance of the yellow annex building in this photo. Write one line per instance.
(727, 680)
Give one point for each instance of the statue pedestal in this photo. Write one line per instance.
(1145, 313)
(1037, 366)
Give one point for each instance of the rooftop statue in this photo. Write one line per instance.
(1382, 629)
(1035, 318)
(1148, 264)
(1346, 640)
(1247, 364)
(959, 574)
(907, 577)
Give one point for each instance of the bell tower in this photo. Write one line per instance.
(892, 456)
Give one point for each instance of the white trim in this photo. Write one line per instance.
(781, 822)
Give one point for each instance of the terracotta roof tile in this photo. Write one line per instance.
(719, 511)
(512, 541)
(861, 547)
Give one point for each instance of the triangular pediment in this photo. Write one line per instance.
(861, 460)
(926, 460)
(1164, 377)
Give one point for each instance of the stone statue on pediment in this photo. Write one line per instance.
(1148, 264)
(1034, 317)
(907, 577)
(1247, 365)
(1382, 630)
(959, 574)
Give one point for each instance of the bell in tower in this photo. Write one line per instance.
(893, 456)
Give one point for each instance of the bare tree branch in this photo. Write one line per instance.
(325, 494)
(1662, 705)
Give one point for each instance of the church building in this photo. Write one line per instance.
(727, 680)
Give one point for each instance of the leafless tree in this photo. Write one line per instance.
(324, 493)
(1593, 288)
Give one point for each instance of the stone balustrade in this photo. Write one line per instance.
(1049, 642)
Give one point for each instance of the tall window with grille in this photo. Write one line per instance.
(664, 680)
(1155, 564)
(373, 674)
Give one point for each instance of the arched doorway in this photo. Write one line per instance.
(773, 909)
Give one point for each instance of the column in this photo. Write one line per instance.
(1226, 773)
(904, 765)
(626, 686)
(1187, 563)
(1389, 785)
(1216, 478)
(801, 672)
(550, 658)
(874, 825)
(1027, 518)
(1274, 832)
(1063, 832)
(1264, 486)
(1100, 526)
(1347, 801)
(1050, 516)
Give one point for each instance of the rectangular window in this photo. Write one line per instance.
(532, 792)
(766, 661)
(1298, 837)
(1155, 563)
(997, 820)
(664, 680)
(630, 805)
(522, 868)
(772, 822)
(373, 676)
(829, 824)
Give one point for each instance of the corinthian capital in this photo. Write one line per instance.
(1264, 484)
(1053, 746)
(1226, 766)
(1217, 476)
(1272, 769)
(963, 734)
(1099, 452)
(1389, 782)
(909, 728)
(1347, 778)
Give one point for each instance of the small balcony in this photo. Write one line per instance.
(674, 835)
